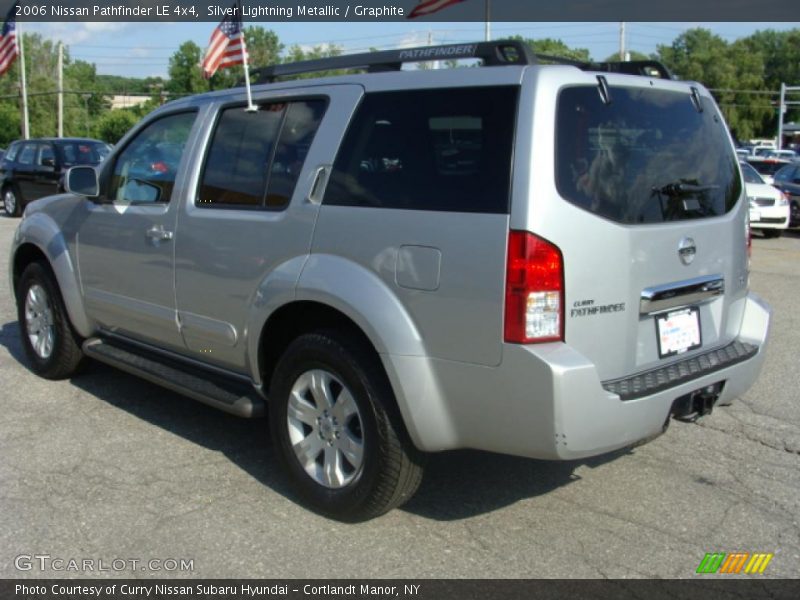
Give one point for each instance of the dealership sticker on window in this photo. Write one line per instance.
(678, 332)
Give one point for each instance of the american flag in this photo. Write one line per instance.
(8, 40)
(426, 7)
(226, 46)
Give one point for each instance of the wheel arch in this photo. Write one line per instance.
(38, 238)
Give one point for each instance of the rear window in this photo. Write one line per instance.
(439, 150)
(647, 156)
(83, 153)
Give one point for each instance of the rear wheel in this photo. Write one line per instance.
(10, 202)
(335, 431)
(51, 346)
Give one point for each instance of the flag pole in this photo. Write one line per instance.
(245, 62)
(23, 87)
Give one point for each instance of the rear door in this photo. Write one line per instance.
(24, 172)
(45, 175)
(248, 211)
(639, 187)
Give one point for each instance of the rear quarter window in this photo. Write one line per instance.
(623, 159)
(438, 150)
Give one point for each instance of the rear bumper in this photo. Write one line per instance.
(547, 401)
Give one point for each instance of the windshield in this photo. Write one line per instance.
(750, 174)
(647, 156)
(83, 152)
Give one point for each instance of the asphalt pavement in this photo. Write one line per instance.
(111, 469)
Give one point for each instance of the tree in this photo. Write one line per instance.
(114, 124)
(553, 47)
(185, 75)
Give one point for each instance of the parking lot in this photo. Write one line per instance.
(107, 466)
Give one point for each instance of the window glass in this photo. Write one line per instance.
(46, 156)
(13, 151)
(443, 150)
(784, 174)
(750, 174)
(145, 170)
(648, 156)
(237, 170)
(302, 122)
(83, 153)
(27, 154)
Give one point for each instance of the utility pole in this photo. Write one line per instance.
(782, 106)
(60, 90)
(488, 31)
(622, 40)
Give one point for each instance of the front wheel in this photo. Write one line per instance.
(51, 346)
(336, 431)
(772, 233)
(10, 202)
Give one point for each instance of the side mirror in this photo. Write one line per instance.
(82, 181)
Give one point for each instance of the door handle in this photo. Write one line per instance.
(318, 184)
(157, 232)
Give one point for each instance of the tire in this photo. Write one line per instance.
(52, 348)
(11, 204)
(772, 233)
(357, 460)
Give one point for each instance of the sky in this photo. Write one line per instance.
(144, 49)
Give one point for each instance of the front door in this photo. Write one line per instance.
(125, 243)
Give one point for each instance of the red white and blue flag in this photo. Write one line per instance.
(8, 40)
(426, 7)
(226, 47)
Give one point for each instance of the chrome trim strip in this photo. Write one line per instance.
(681, 293)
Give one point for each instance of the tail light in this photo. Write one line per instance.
(534, 290)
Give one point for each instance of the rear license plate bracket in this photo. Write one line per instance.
(678, 331)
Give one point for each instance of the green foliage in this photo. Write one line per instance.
(114, 124)
(759, 62)
(554, 47)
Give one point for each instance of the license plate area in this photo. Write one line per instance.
(678, 331)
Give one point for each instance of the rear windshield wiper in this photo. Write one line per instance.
(677, 189)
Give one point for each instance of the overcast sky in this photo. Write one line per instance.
(143, 49)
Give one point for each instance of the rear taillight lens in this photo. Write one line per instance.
(534, 290)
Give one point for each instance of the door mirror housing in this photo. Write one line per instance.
(82, 181)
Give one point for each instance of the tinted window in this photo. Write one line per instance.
(750, 174)
(145, 170)
(83, 153)
(623, 160)
(46, 155)
(27, 154)
(446, 150)
(13, 150)
(767, 167)
(784, 174)
(255, 157)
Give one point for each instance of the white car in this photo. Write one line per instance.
(769, 207)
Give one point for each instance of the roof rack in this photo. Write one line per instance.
(499, 53)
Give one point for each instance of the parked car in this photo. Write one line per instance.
(548, 261)
(782, 154)
(35, 168)
(787, 179)
(767, 167)
(743, 153)
(769, 206)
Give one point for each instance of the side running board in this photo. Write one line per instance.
(228, 394)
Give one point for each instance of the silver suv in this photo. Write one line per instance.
(549, 261)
